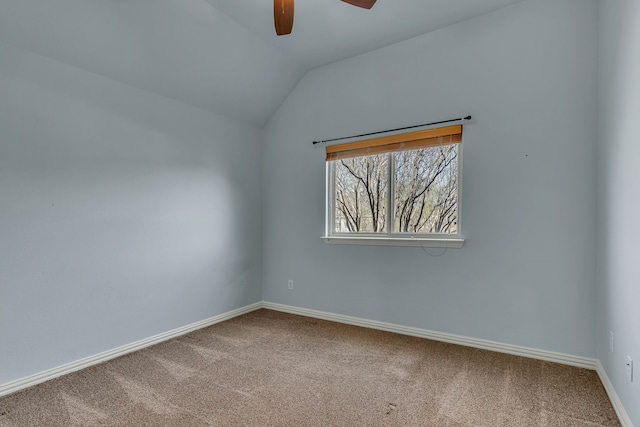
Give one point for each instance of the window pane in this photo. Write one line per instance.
(426, 190)
(361, 189)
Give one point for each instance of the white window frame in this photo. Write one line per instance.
(389, 238)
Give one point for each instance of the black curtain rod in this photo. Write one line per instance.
(391, 130)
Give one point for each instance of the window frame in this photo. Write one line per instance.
(390, 238)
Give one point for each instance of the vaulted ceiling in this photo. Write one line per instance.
(220, 55)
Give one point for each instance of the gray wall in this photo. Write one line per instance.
(122, 214)
(619, 197)
(526, 275)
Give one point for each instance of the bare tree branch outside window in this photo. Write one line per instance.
(424, 194)
(361, 194)
(426, 190)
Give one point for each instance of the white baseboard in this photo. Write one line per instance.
(613, 396)
(550, 356)
(50, 374)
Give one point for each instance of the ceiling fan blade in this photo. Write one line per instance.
(283, 16)
(367, 4)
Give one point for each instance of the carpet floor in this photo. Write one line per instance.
(268, 368)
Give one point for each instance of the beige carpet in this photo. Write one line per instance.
(273, 369)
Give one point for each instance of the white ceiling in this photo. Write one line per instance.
(326, 31)
(220, 55)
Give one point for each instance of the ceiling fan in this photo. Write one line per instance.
(283, 13)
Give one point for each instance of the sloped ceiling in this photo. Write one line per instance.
(220, 55)
(182, 49)
(326, 31)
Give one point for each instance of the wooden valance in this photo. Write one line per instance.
(406, 141)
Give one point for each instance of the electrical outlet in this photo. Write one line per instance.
(611, 341)
(290, 284)
(630, 368)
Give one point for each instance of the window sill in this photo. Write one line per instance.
(394, 241)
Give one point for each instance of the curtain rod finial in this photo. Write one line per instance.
(468, 118)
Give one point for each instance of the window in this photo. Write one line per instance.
(398, 190)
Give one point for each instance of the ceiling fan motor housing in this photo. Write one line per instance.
(283, 13)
